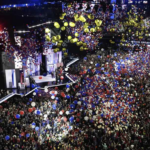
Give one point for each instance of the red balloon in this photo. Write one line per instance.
(40, 77)
(30, 110)
(34, 108)
(22, 134)
(21, 112)
(61, 77)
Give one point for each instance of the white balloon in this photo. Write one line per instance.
(91, 62)
(79, 103)
(33, 104)
(56, 92)
(86, 118)
(66, 69)
(45, 115)
(34, 93)
(53, 97)
(46, 90)
(60, 112)
(33, 126)
(67, 112)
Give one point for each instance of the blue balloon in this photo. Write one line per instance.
(71, 111)
(99, 56)
(37, 128)
(12, 122)
(17, 116)
(27, 135)
(67, 86)
(30, 99)
(36, 90)
(38, 112)
(67, 96)
(71, 119)
(7, 137)
(32, 86)
(57, 98)
(33, 123)
(54, 106)
(75, 102)
(85, 58)
(72, 106)
(97, 65)
(102, 68)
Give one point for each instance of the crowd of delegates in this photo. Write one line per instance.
(107, 109)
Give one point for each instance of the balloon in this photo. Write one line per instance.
(86, 30)
(30, 99)
(7, 137)
(56, 24)
(58, 37)
(54, 106)
(45, 90)
(63, 49)
(81, 48)
(67, 112)
(65, 54)
(61, 77)
(69, 37)
(30, 110)
(32, 86)
(67, 86)
(66, 24)
(79, 103)
(63, 14)
(81, 18)
(63, 28)
(27, 135)
(59, 44)
(86, 118)
(47, 30)
(67, 96)
(78, 43)
(52, 97)
(18, 116)
(71, 24)
(38, 112)
(76, 34)
(33, 104)
(61, 17)
(37, 128)
(92, 29)
(22, 134)
(34, 93)
(21, 112)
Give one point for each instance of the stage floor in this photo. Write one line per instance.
(47, 78)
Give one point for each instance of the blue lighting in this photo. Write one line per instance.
(26, 5)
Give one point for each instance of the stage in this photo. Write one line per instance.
(41, 79)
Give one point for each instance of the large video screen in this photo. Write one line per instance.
(10, 75)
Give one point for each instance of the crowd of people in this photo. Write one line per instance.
(108, 109)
